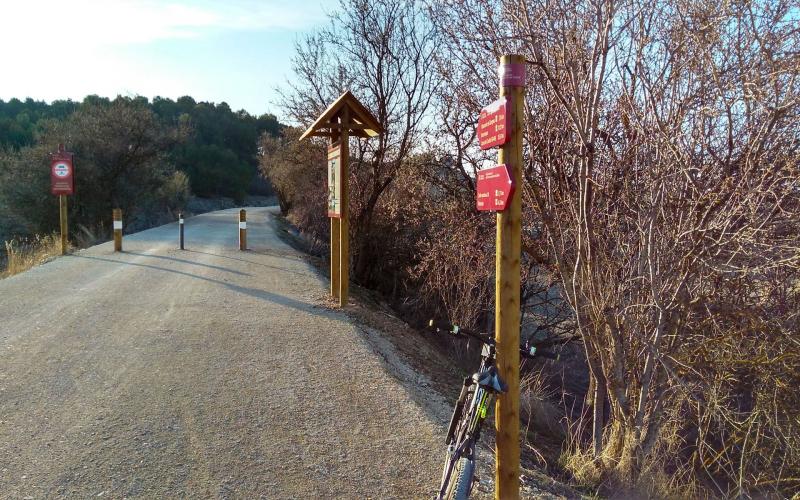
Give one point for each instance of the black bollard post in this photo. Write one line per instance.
(180, 225)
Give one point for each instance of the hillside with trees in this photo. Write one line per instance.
(144, 157)
(661, 216)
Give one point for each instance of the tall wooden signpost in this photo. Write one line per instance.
(501, 124)
(62, 184)
(344, 118)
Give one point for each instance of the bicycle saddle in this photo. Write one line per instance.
(490, 380)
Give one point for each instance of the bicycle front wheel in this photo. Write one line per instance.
(461, 480)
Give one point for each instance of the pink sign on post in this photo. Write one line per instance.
(511, 75)
(494, 188)
(493, 126)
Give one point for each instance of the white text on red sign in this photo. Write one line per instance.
(493, 124)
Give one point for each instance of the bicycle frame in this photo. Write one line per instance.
(465, 425)
(477, 395)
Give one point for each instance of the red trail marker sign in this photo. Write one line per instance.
(493, 126)
(494, 188)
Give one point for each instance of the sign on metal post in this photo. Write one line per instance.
(62, 184)
(494, 187)
(61, 174)
(335, 181)
(493, 124)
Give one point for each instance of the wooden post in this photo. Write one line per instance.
(180, 229)
(344, 222)
(117, 216)
(62, 210)
(336, 228)
(336, 231)
(242, 229)
(507, 290)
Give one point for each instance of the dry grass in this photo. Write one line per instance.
(655, 481)
(584, 468)
(23, 254)
(539, 415)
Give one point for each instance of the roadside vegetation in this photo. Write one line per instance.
(144, 157)
(23, 254)
(661, 215)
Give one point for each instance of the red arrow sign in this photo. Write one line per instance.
(493, 126)
(494, 188)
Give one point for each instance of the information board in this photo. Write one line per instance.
(335, 181)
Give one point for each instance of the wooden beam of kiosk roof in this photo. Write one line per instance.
(361, 117)
(335, 133)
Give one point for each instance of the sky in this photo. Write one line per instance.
(237, 51)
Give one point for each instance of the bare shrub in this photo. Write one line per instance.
(382, 51)
(175, 192)
(25, 253)
(662, 171)
(297, 173)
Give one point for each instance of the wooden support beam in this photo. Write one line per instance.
(336, 233)
(325, 133)
(344, 240)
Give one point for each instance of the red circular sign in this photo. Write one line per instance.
(61, 170)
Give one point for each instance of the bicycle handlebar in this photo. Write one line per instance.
(455, 330)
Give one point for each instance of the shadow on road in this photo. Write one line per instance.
(252, 292)
(218, 268)
(260, 252)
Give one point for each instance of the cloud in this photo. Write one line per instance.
(59, 25)
(57, 49)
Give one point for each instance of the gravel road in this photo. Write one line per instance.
(204, 373)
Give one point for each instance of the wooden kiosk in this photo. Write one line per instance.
(344, 118)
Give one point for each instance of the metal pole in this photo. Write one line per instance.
(117, 215)
(180, 228)
(62, 209)
(242, 229)
(507, 287)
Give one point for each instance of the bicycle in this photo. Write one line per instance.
(477, 395)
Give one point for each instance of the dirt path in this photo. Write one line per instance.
(201, 373)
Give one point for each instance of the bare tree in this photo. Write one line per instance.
(382, 51)
(662, 173)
